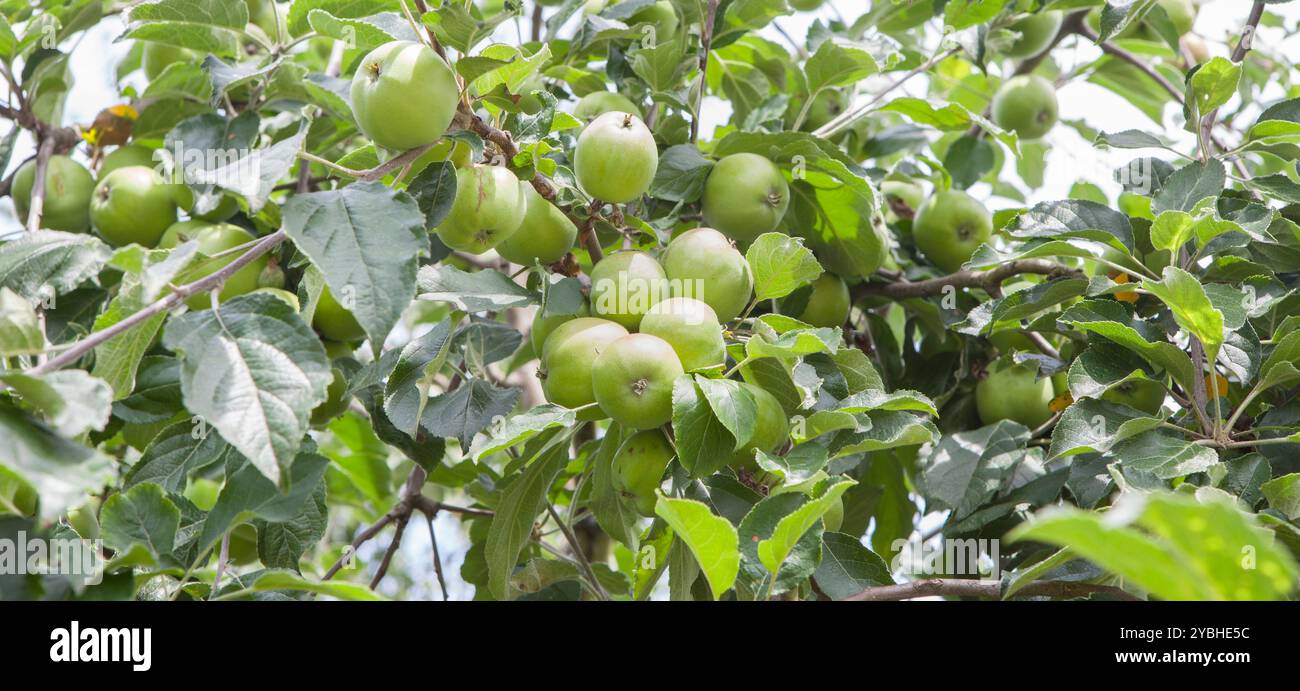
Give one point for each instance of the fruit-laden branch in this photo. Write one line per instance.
(989, 280)
(177, 296)
(956, 587)
(506, 144)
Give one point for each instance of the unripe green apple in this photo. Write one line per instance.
(289, 298)
(633, 380)
(545, 235)
(544, 325)
(568, 356)
(133, 205)
(334, 321)
(1143, 394)
(691, 328)
(949, 227)
(598, 103)
(661, 16)
(404, 95)
(616, 158)
(703, 264)
(638, 468)
(1182, 14)
(624, 285)
(826, 106)
(158, 57)
(901, 195)
(68, 186)
(1036, 34)
(1026, 105)
(203, 493)
(336, 401)
(83, 520)
(125, 156)
(243, 545)
(215, 239)
(771, 429)
(829, 304)
(490, 205)
(745, 196)
(1014, 392)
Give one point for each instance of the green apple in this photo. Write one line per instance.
(125, 156)
(490, 205)
(704, 264)
(404, 95)
(215, 239)
(638, 468)
(902, 196)
(949, 227)
(568, 356)
(1014, 392)
(334, 321)
(661, 16)
(543, 325)
(1036, 33)
(68, 186)
(624, 285)
(1143, 394)
(289, 298)
(83, 520)
(633, 380)
(1182, 14)
(745, 196)
(1026, 105)
(771, 429)
(828, 304)
(243, 545)
(545, 235)
(616, 158)
(691, 328)
(826, 106)
(133, 205)
(336, 402)
(202, 492)
(598, 103)
(158, 57)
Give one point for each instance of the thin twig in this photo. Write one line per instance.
(706, 44)
(988, 280)
(956, 587)
(578, 554)
(36, 209)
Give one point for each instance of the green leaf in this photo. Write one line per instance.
(254, 370)
(704, 444)
(367, 240)
(838, 63)
(967, 469)
(774, 550)
(781, 264)
(480, 291)
(681, 174)
(72, 401)
(1189, 186)
(1175, 547)
(847, 568)
(523, 499)
(467, 410)
(406, 393)
(273, 580)
(141, 516)
(1109, 319)
(519, 428)
(62, 472)
(1186, 299)
(1283, 494)
(174, 454)
(712, 540)
(20, 330)
(298, 18)
(38, 266)
(733, 406)
(1214, 83)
